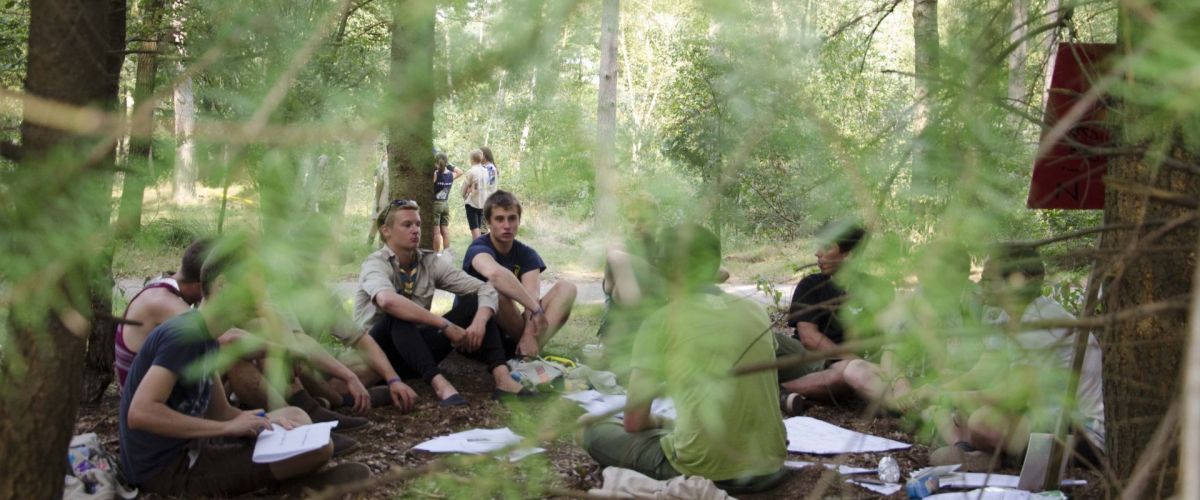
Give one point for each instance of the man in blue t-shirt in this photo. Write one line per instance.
(514, 269)
(179, 435)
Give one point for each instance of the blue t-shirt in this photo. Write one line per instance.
(520, 259)
(175, 345)
(441, 186)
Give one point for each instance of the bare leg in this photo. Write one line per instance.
(252, 388)
(445, 231)
(474, 234)
(442, 387)
(504, 380)
(824, 385)
(989, 429)
(316, 384)
(868, 380)
(437, 240)
(303, 464)
(557, 304)
(509, 319)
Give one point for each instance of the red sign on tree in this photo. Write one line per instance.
(1070, 174)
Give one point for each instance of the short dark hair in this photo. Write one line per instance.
(1010, 258)
(847, 234)
(193, 259)
(221, 258)
(689, 254)
(502, 199)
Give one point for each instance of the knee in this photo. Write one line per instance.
(294, 414)
(242, 374)
(597, 433)
(857, 373)
(567, 289)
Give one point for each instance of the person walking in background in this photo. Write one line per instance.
(489, 163)
(481, 183)
(443, 180)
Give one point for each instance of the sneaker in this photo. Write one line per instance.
(343, 445)
(345, 473)
(346, 423)
(792, 404)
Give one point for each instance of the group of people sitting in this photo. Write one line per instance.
(192, 342)
(689, 341)
(181, 436)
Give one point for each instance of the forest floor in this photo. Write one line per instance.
(564, 469)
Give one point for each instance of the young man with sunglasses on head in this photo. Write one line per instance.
(515, 270)
(396, 288)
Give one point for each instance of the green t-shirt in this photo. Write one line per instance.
(726, 427)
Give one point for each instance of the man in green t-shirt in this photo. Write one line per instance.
(728, 429)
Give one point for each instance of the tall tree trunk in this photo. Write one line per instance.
(412, 95)
(925, 67)
(141, 157)
(1018, 57)
(184, 179)
(74, 54)
(98, 359)
(606, 117)
(1143, 357)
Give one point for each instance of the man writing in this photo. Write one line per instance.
(173, 406)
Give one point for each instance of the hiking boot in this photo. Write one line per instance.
(343, 445)
(346, 473)
(972, 460)
(346, 423)
(792, 404)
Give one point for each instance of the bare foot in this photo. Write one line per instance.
(504, 380)
(442, 387)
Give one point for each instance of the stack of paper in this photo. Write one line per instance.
(479, 441)
(279, 444)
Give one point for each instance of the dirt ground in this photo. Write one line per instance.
(388, 441)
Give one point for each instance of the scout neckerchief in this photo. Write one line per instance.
(406, 277)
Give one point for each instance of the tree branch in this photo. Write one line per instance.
(888, 6)
(1152, 192)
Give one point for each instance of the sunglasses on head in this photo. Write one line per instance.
(395, 204)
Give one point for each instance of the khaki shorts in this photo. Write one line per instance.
(441, 213)
(786, 345)
(222, 468)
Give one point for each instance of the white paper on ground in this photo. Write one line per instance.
(597, 403)
(810, 435)
(479, 441)
(882, 489)
(964, 480)
(991, 493)
(280, 444)
(842, 469)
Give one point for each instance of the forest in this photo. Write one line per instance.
(296, 138)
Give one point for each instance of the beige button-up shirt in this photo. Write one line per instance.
(380, 272)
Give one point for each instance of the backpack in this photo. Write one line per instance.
(93, 472)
